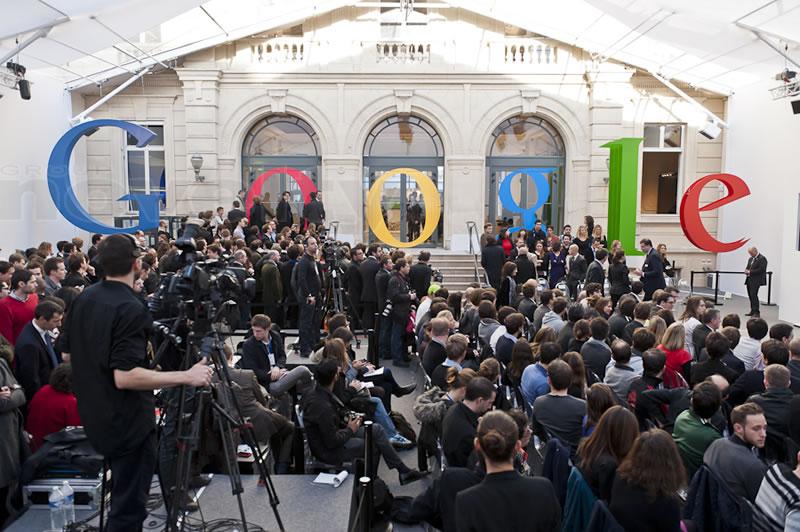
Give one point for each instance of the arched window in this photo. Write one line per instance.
(518, 143)
(404, 142)
(280, 142)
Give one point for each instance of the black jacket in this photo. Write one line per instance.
(458, 434)
(381, 284)
(508, 501)
(526, 269)
(492, 260)
(699, 336)
(289, 297)
(751, 382)
(437, 504)
(577, 268)
(234, 215)
(420, 278)
(758, 270)
(616, 325)
(653, 273)
(255, 357)
(34, 363)
(618, 279)
(368, 269)
(776, 411)
(308, 281)
(352, 279)
(258, 216)
(595, 274)
(284, 213)
(433, 356)
(324, 419)
(314, 212)
(701, 370)
(397, 293)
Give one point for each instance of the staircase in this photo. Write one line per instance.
(458, 269)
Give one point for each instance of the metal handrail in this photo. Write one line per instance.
(472, 227)
(717, 273)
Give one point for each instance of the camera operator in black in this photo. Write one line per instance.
(308, 289)
(107, 339)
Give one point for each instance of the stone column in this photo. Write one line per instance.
(342, 195)
(464, 198)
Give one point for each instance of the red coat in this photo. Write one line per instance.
(15, 314)
(50, 411)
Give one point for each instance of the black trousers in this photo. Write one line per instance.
(131, 475)
(308, 329)
(752, 293)
(368, 318)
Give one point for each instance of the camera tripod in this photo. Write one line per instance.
(194, 405)
(336, 297)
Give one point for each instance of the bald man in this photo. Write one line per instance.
(756, 272)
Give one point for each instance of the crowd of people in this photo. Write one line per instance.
(560, 381)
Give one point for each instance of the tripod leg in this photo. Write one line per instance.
(232, 465)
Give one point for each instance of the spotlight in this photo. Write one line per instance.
(24, 89)
(711, 130)
(796, 107)
(786, 75)
(13, 77)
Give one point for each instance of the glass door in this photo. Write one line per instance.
(525, 195)
(403, 207)
(279, 181)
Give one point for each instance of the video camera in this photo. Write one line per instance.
(206, 292)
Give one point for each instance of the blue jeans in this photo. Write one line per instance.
(382, 418)
(398, 330)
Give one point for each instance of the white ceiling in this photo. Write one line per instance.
(706, 43)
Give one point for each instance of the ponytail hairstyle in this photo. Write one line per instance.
(497, 436)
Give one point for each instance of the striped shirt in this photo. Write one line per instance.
(778, 500)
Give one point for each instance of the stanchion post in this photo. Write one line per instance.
(769, 288)
(365, 519)
(691, 283)
(716, 288)
(370, 471)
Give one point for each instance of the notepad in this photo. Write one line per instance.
(375, 372)
(329, 479)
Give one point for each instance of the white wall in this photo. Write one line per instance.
(28, 133)
(761, 148)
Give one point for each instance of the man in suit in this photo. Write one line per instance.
(756, 272)
(369, 294)
(652, 272)
(576, 271)
(711, 320)
(34, 351)
(308, 289)
(595, 272)
(420, 276)
(492, 260)
(526, 268)
(283, 212)
(271, 285)
(314, 211)
(235, 214)
(353, 283)
(265, 355)
(385, 322)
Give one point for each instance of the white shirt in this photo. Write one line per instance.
(690, 325)
(44, 334)
(423, 309)
(749, 351)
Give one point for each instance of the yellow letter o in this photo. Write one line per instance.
(430, 196)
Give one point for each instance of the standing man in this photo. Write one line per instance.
(576, 271)
(399, 293)
(652, 272)
(308, 288)
(595, 273)
(420, 276)
(756, 272)
(107, 340)
(384, 322)
(352, 281)
(54, 273)
(18, 309)
(283, 212)
(235, 214)
(258, 214)
(492, 260)
(314, 212)
(34, 353)
(488, 231)
(271, 286)
(369, 294)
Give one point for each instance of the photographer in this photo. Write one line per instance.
(335, 435)
(307, 289)
(107, 339)
(401, 296)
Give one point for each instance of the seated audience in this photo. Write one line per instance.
(620, 375)
(557, 413)
(595, 352)
(749, 348)
(434, 353)
(672, 344)
(555, 317)
(751, 382)
(694, 431)
(735, 459)
(641, 313)
(717, 346)
(645, 493)
(778, 499)
(455, 353)
(458, 427)
(496, 503)
(599, 398)
(534, 378)
(709, 323)
(775, 403)
(336, 435)
(34, 352)
(515, 324)
(609, 444)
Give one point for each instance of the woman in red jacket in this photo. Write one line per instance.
(53, 407)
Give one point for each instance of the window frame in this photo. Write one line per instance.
(146, 150)
(662, 148)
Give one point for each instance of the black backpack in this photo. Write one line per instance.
(403, 427)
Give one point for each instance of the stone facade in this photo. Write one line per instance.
(344, 71)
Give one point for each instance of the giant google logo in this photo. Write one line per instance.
(622, 206)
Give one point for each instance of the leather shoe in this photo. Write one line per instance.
(400, 391)
(198, 481)
(412, 475)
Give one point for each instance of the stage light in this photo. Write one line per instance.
(711, 130)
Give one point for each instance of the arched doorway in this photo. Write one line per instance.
(281, 142)
(525, 143)
(404, 142)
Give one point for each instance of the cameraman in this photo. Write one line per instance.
(107, 338)
(402, 297)
(307, 289)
